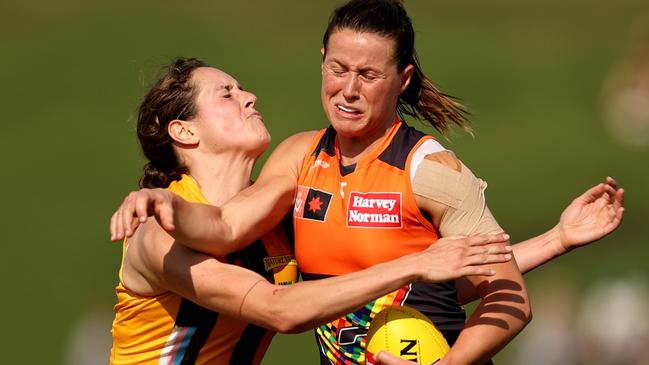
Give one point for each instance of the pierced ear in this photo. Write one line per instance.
(322, 53)
(182, 132)
(406, 76)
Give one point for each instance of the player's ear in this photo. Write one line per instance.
(182, 132)
(322, 53)
(406, 76)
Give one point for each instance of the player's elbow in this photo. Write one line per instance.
(526, 307)
(281, 315)
(527, 315)
(233, 236)
(285, 322)
(293, 327)
(523, 314)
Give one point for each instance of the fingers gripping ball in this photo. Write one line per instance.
(405, 332)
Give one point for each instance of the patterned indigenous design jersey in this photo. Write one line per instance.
(349, 218)
(168, 329)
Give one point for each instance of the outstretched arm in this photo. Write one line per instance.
(221, 230)
(154, 263)
(433, 265)
(590, 217)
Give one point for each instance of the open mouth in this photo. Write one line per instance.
(347, 109)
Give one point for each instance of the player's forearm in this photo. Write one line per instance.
(305, 305)
(202, 228)
(502, 314)
(480, 342)
(538, 250)
(219, 231)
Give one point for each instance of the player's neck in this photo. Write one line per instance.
(353, 149)
(222, 178)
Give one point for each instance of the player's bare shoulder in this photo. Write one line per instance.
(298, 143)
(290, 153)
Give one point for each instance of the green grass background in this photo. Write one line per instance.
(72, 73)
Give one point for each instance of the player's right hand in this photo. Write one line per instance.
(137, 207)
(453, 257)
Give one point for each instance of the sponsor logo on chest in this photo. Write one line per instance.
(319, 163)
(374, 210)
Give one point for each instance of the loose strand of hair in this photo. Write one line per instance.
(423, 101)
(441, 110)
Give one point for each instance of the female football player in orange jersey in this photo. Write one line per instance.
(202, 136)
(370, 188)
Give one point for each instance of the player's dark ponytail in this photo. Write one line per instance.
(388, 18)
(171, 97)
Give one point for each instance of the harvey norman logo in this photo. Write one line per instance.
(374, 210)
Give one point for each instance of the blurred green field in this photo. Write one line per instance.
(72, 73)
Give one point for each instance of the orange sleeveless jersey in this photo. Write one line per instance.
(168, 329)
(347, 219)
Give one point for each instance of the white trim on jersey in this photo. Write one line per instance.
(426, 148)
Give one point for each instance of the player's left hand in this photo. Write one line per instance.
(591, 216)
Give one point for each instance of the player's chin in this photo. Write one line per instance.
(262, 139)
(348, 128)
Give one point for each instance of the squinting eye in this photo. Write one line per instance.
(227, 96)
(336, 71)
(369, 77)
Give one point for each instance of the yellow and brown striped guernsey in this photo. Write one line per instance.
(168, 329)
(348, 218)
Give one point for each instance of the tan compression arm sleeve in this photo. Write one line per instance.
(463, 194)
